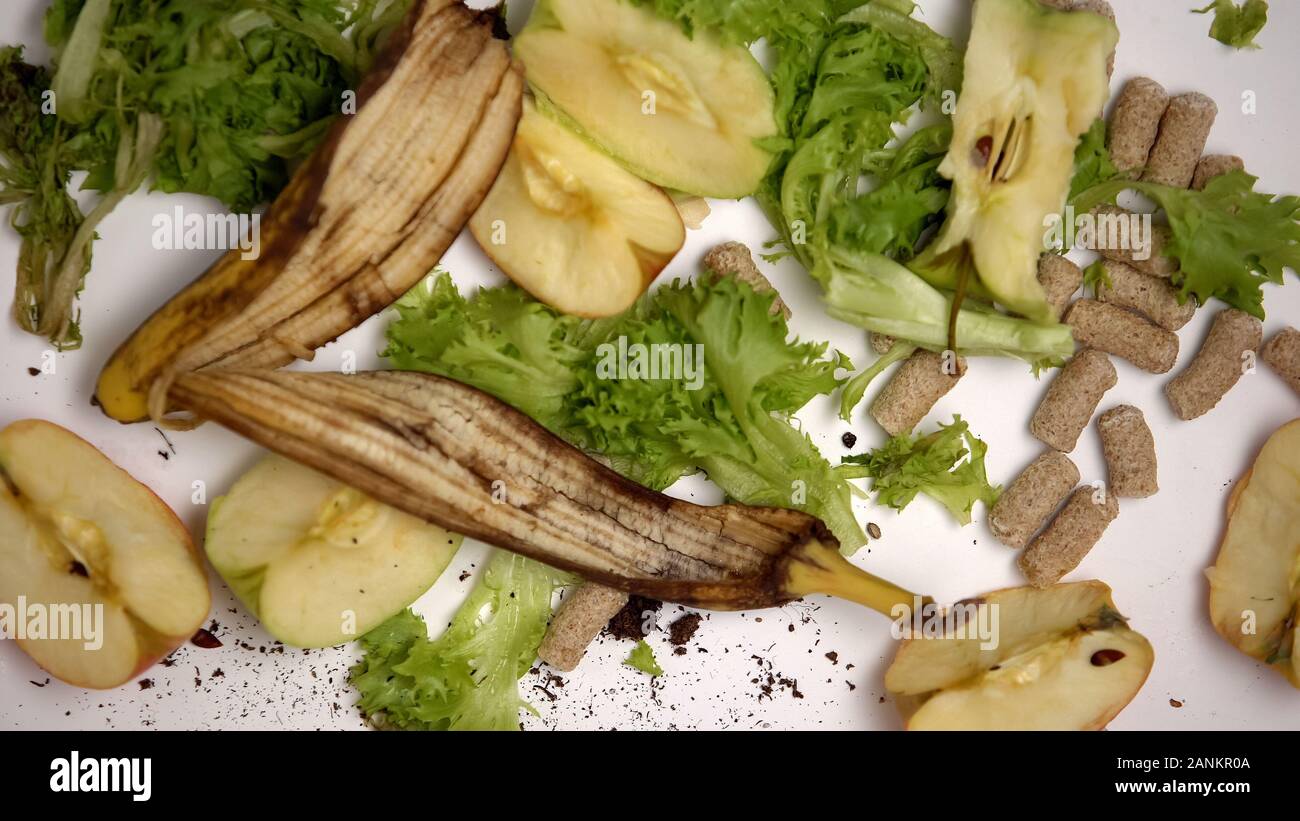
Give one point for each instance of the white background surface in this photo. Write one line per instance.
(1153, 556)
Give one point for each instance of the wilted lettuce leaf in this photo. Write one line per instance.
(35, 165)
(932, 464)
(1236, 24)
(467, 678)
(874, 292)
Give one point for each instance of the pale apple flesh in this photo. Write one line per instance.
(85, 543)
(1063, 658)
(682, 112)
(1255, 582)
(318, 562)
(571, 226)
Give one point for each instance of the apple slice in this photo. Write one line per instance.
(1063, 659)
(1255, 582)
(682, 112)
(318, 562)
(83, 543)
(571, 226)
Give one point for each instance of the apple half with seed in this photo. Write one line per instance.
(1255, 582)
(682, 112)
(571, 226)
(1064, 659)
(84, 544)
(318, 562)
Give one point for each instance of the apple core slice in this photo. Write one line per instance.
(571, 226)
(682, 112)
(100, 576)
(1035, 80)
(1060, 658)
(318, 562)
(1255, 582)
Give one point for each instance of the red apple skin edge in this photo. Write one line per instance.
(154, 646)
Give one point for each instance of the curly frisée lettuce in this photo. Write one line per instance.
(1228, 238)
(728, 410)
(932, 464)
(215, 98)
(643, 658)
(467, 678)
(875, 66)
(1092, 162)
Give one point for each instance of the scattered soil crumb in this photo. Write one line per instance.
(203, 638)
(630, 622)
(683, 630)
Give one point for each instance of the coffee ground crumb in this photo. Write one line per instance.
(33, 371)
(849, 439)
(683, 630)
(629, 623)
(203, 638)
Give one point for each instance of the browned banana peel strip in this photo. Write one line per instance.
(368, 215)
(457, 457)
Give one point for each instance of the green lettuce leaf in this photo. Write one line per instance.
(1236, 24)
(857, 386)
(503, 342)
(467, 678)
(1228, 239)
(643, 659)
(932, 464)
(1092, 163)
(874, 292)
(1095, 277)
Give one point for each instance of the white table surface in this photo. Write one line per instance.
(1153, 556)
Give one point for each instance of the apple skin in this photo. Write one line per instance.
(151, 645)
(1254, 558)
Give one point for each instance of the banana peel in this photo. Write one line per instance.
(361, 222)
(457, 457)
